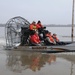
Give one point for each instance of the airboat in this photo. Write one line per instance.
(13, 38)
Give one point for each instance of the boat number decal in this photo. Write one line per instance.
(39, 47)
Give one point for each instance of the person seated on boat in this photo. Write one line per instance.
(40, 26)
(58, 42)
(33, 26)
(55, 37)
(34, 39)
(49, 39)
(40, 29)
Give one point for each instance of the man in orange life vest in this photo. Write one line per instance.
(58, 42)
(33, 26)
(34, 39)
(40, 26)
(40, 29)
(55, 37)
(49, 39)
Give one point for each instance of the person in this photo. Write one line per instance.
(55, 37)
(40, 26)
(34, 39)
(33, 26)
(49, 39)
(58, 42)
(40, 29)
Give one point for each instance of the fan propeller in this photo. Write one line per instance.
(13, 30)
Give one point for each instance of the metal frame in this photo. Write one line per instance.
(12, 32)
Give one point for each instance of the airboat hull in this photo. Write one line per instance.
(48, 49)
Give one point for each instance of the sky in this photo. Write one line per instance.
(48, 11)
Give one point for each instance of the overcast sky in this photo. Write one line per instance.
(48, 11)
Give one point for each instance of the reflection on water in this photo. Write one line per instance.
(38, 63)
(32, 61)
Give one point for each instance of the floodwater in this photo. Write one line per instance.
(28, 63)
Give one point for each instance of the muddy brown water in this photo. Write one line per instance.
(27, 63)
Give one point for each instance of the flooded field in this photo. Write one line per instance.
(26, 63)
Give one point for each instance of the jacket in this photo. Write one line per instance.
(35, 39)
(39, 26)
(33, 27)
(50, 38)
(56, 38)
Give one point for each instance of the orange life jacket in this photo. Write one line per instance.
(35, 39)
(39, 26)
(50, 37)
(56, 38)
(33, 27)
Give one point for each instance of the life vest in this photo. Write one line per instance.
(39, 26)
(56, 38)
(50, 37)
(35, 39)
(33, 27)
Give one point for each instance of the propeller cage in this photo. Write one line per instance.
(13, 30)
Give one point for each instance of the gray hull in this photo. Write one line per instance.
(60, 48)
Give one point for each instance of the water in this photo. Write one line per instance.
(61, 31)
(26, 63)
(64, 33)
(2, 32)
